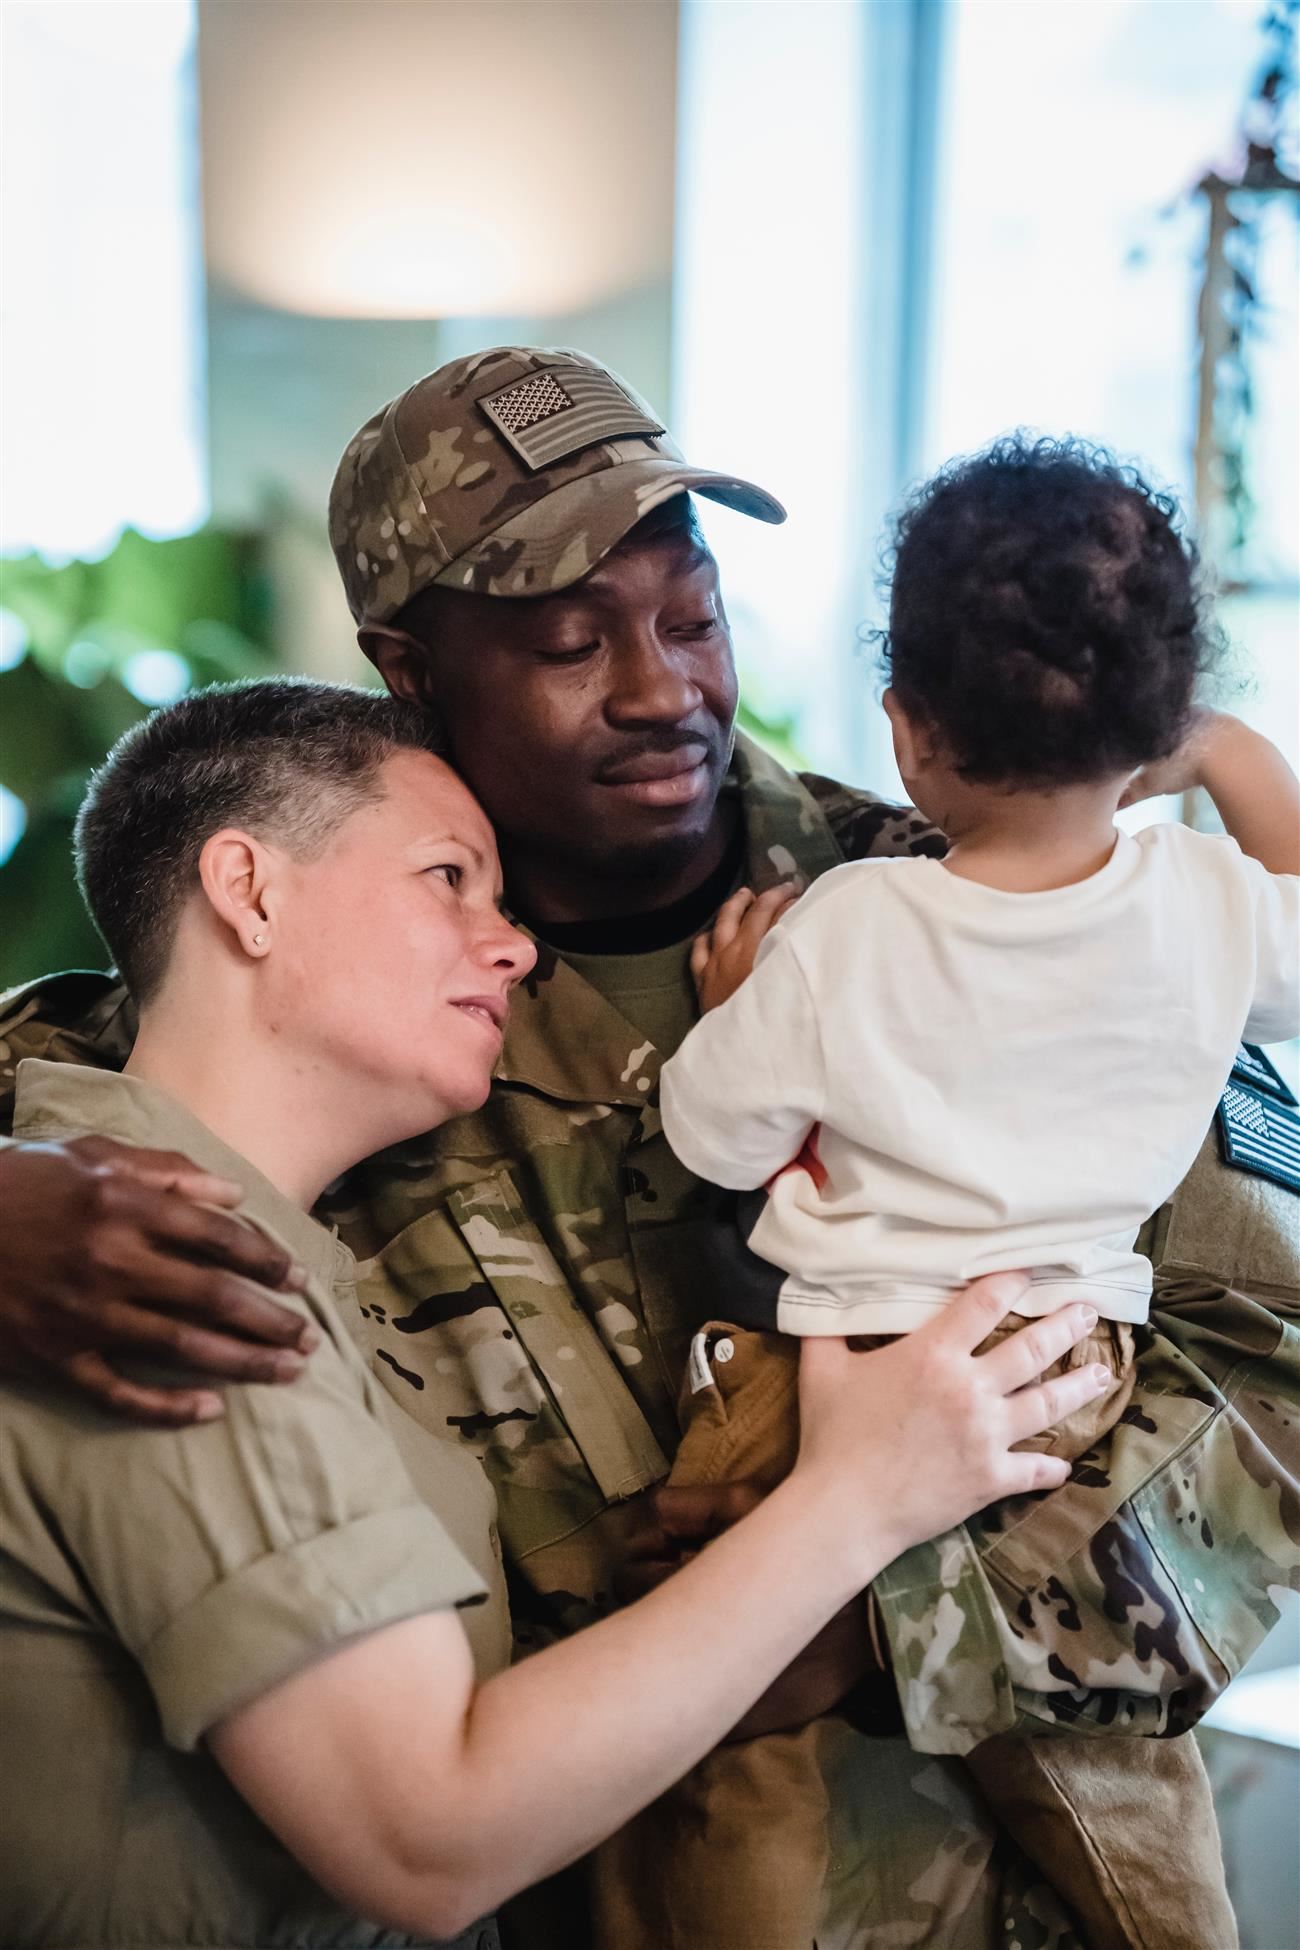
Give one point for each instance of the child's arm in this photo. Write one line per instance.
(747, 1085)
(1254, 790)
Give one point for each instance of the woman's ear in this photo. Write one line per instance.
(237, 874)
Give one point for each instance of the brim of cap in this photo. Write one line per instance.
(560, 539)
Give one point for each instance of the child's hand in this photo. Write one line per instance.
(724, 954)
(1184, 769)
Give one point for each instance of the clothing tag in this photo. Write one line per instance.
(698, 1369)
(1254, 1068)
(1258, 1134)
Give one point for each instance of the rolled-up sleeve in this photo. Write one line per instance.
(228, 1556)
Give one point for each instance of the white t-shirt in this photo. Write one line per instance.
(979, 1080)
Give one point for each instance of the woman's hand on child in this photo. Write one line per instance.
(723, 955)
(920, 1434)
(898, 1444)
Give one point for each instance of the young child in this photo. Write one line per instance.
(1008, 1057)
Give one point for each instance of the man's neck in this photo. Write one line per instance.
(543, 891)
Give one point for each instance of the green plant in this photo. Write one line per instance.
(81, 662)
(89, 647)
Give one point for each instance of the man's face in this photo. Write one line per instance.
(594, 724)
(393, 962)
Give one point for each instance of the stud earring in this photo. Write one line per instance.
(259, 940)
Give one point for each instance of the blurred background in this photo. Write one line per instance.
(836, 240)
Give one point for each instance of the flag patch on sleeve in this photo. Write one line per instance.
(1260, 1134)
(1254, 1068)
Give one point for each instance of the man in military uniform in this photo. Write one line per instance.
(517, 546)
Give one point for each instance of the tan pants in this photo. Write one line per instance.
(734, 1857)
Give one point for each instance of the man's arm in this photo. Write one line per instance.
(107, 1250)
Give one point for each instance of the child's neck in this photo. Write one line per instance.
(1027, 842)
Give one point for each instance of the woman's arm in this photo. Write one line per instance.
(423, 1803)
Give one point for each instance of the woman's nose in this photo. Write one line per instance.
(510, 950)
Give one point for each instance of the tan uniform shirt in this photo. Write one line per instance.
(153, 1580)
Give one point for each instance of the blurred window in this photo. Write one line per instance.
(101, 379)
(826, 346)
(1068, 262)
(802, 201)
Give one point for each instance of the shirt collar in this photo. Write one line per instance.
(63, 1100)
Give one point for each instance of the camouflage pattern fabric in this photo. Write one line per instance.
(509, 473)
(508, 1287)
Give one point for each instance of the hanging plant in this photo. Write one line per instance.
(1230, 309)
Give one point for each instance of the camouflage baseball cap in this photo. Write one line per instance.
(509, 473)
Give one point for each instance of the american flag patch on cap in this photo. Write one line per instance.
(1260, 1135)
(562, 409)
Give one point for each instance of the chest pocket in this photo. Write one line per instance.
(473, 1327)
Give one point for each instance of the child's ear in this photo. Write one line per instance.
(906, 749)
(915, 744)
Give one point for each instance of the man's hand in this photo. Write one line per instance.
(671, 1525)
(104, 1251)
(723, 955)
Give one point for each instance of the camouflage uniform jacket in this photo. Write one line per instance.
(509, 1286)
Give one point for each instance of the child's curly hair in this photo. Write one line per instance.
(1045, 614)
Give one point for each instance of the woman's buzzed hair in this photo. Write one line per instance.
(285, 758)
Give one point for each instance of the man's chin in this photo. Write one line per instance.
(654, 857)
(648, 842)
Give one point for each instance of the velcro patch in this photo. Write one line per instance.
(555, 413)
(1259, 1134)
(1253, 1067)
